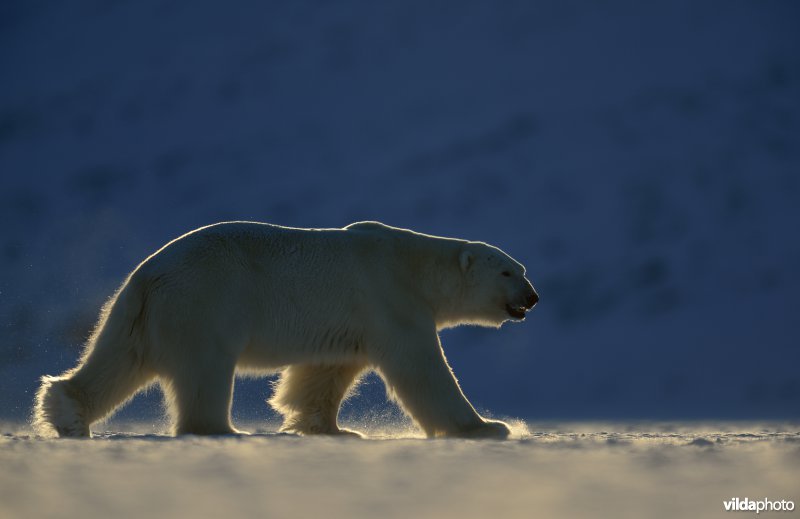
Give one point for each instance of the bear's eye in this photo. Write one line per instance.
(506, 274)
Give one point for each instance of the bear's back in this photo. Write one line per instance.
(356, 247)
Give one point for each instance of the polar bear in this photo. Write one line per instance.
(322, 305)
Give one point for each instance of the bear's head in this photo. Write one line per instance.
(495, 288)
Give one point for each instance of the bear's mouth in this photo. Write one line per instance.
(517, 312)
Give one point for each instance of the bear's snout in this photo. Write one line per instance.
(532, 299)
(524, 301)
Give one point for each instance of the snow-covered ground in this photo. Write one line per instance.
(547, 470)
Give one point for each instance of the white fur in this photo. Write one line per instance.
(324, 305)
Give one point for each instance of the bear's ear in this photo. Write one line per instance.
(466, 259)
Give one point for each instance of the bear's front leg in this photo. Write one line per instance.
(414, 368)
(488, 429)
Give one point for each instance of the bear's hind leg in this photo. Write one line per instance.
(68, 404)
(309, 396)
(200, 397)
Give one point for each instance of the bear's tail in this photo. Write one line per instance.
(109, 373)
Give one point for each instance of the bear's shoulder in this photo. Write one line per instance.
(378, 228)
(375, 237)
(368, 226)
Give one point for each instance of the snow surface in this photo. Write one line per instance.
(641, 158)
(547, 470)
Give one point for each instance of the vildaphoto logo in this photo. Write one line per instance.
(765, 505)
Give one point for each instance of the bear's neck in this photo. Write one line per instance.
(434, 268)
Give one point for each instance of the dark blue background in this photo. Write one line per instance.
(641, 158)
